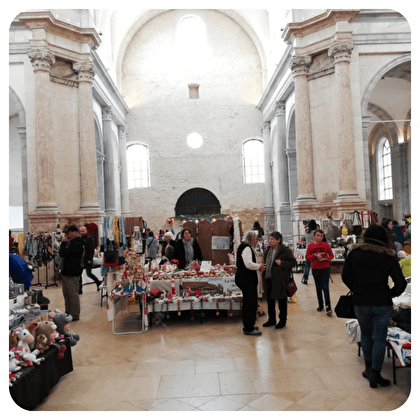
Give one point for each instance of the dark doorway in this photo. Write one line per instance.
(197, 201)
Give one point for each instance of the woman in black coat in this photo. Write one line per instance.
(366, 272)
(279, 262)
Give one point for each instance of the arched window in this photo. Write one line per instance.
(253, 161)
(384, 170)
(138, 166)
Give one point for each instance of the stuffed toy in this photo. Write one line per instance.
(42, 343)
(62, 320)
(49, 330)
(13, 363)
(24, 339)
(13, 368)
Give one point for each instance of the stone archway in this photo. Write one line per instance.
(197, 201)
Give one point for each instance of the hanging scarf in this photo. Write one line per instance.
(271, 255)
(189, 250)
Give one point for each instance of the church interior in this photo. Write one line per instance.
(192, 115)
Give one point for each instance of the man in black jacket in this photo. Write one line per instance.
(88, 258)
(71, 251)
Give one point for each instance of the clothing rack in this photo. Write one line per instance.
(39, 250)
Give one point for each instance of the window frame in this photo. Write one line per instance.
(385, 181)
(139, 180)
(249, 169)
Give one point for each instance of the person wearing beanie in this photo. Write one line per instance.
(366, 271)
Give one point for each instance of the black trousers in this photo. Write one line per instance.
(91, 276)
(271, 309)
(249, 304)
(271, 305)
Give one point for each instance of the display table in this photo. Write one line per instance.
(176, 295)
(196, 304)
(36, 382)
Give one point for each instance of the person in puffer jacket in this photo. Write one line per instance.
(366, 273)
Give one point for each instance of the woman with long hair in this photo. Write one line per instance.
(366, 271)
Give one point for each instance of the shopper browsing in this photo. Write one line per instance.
(366, 273)
(310, 228)
(88, 258)
(71, 250)
(319, 253)
(279, 262)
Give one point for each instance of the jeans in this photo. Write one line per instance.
(306, 269)
(373, 321)
(322, 284)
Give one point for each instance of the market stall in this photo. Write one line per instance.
(166, 289)
(39, 352)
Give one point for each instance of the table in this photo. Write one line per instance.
(36, 382)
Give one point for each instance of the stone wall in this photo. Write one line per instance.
(155, 87)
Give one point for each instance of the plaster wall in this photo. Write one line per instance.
(162, 115)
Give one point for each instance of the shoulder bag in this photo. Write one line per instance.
(345, 306)
(291, 288)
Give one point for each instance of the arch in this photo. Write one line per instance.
(152, 13)
(197, 201)
(16, 107)
(368, 91)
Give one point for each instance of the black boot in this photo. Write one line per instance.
(368, 369)
(376, 379)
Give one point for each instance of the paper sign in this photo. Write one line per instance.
(205, 266)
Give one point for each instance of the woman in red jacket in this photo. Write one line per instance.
(319, 253)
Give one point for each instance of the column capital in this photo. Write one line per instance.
(341, 51)
(280, 108)
(41, 58)
(85, 70)
(122, 130)
(107, 113)
(265, 126)
(299, 64)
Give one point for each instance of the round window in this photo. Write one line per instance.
(194, 140)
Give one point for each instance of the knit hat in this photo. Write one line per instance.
(401, 255)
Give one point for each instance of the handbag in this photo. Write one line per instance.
(345, 306)
(111, 255)
(291, 288)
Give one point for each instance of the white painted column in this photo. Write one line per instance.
(125, 201)
(109, 177)
(284, 212)
(269, 221)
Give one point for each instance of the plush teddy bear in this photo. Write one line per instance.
(42, 343)
(62, 320)
(49, 330)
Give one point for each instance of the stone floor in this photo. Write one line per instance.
(182, 365)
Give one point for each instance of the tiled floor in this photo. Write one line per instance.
(183, 365)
